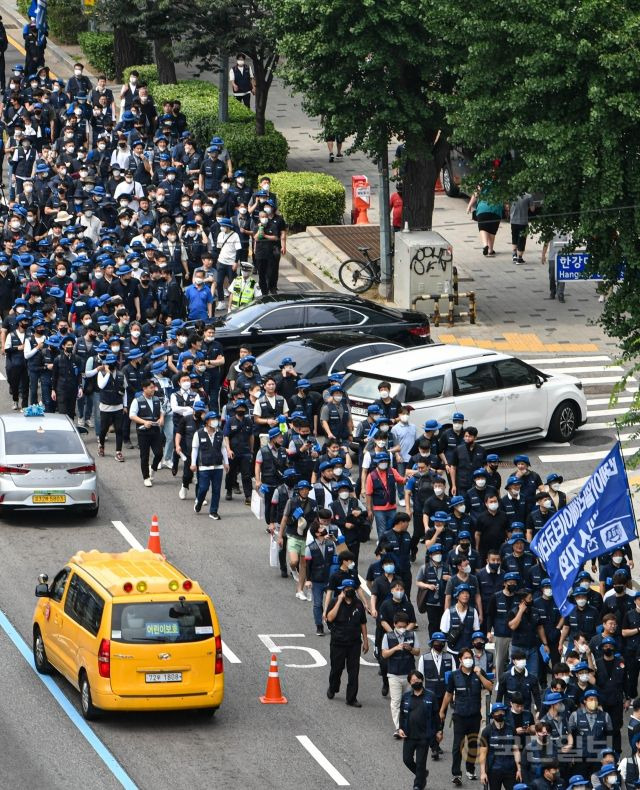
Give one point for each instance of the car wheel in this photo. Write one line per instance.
(207, 713)
(564, 422)
(92, 512)
(446, 179)
(89, 711)
(40, 654)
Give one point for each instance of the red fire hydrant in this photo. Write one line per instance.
(360, 200)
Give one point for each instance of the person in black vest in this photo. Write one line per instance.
(270, 406)
(277, 502)
(347, 620)
(319, 556)
(460, 621)
(419, 726)
(432, 577)
(589, 731)
(610, 679)
(499, 756)
(34, 352)
(302, 450)
(271, 461)
(133, 373)
(299, 513)
(490, 581)
(435, 666)
(209, 457)
(347, 514)
(238, 440)
(399, 648)
(17, 372)
(549, 780)
(287, 380)
(112, 387)
(518, 679)
(184, 430)
(242, 81)
(464, 688)
(631, 645)
(629, 767)
(417, 491)
(66, 379)
(397, 544)
(335, 416)
(146, 412)
(512, 504)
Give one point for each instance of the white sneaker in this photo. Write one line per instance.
(82, 423)
(148, 482)
(296, 575)
(401, 502)
(151, 475)
(88, 423)
(183, 492)
(308, 596)
(301, 596)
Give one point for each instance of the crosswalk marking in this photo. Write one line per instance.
(594, 456)
(567, 360)
(588, 369)
(604, 380)
(607, 401)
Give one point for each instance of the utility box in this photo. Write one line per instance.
(423, 265)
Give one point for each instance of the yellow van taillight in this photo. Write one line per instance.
(173, 585)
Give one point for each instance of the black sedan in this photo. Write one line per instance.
(319, 356)
(275, 319)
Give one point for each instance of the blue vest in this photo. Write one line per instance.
(468, 693)
(383, 496)
(113, 391)
(433, 575)
(500, 755)
(321, 565)
(434, 681)
(402, 662)
(338, 423)
(209, 449)
(588, 742)
(466, 628)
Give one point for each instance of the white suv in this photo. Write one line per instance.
(506, 399)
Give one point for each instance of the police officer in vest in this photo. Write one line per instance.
(209, 457)
(434, 666)
(244, 288)
(419, 726)
(133, 374)
(146, 412)
(460, 621)
(111, 386)
(499, 755)
(319, 557)
(242, 81)
(464, 689)
(589, 731)
(271, 461)
(238, 440)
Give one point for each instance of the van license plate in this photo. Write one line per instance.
(163, 677)
(357, 410)
(48, 499)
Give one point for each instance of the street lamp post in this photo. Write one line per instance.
(386, 285)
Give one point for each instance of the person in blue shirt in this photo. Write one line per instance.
(199, 298)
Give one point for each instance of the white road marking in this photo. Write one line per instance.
(126, 534)
(322, 761)
(589, 369)
(607, 401)
(2, 377)
(597, 426)
(231, 657)
(566, 360)
(363, 582)
(551, 445)
(605, 380)
(595, 456)
(607, 412)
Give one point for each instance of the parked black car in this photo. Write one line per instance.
(319, 356)
(274, 319)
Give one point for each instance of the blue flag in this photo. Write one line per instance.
(41, 20)
(598, 520)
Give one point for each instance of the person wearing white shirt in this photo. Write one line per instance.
(209, 458)
(228, 245)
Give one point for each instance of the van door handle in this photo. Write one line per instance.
(513, 395)
(497, 397)
(293, 337)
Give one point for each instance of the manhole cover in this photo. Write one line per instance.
(588, 440)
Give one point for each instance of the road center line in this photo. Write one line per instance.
(363, 582)
(231, 657)
(76, 719)
(322, 761)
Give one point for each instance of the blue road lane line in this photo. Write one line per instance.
(76, 719)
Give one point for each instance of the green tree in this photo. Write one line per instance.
(219, 28)
(374, 71)
(558, 85)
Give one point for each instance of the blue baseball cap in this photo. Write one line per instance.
(524, 459)
(135, 353)
(273, 432)
(512, 480)
(461, 588)
(302, 484)
(437, 636)
(431, 425)
(512, 576)
(493, 458)
(456, 500)
(434, 548)
(457, 416)
(346, 583)
(110, 359)
(464, 534)
(303, 384)
(440, 515)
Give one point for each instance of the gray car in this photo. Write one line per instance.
(44, 464)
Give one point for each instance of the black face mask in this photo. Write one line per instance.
(464, 548)
(619, 588)
(438, 647)
(608, 651)
(512, 587)
(417, 685)
(349, 594)
(479, 646)
(498, 718)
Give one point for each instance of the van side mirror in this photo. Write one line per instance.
(42, 591)
(539, 381)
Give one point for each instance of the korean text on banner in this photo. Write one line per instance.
(599, 519)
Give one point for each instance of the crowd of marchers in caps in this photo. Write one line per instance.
(122, 241)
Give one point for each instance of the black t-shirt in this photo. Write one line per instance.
(346, 628)
(492, 529)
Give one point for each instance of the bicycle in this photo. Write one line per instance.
(358, 276)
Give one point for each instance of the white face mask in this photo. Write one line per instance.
(520, 663)
(457, 426)
(383, 466)
(547, 503)
(438, 490)
(467, 663)
(344, 495)
(616, 560)
(214, 423)
(555, 486)
(264, 220)
(351, 565)
(381, 443)
(115, 348)
(583, 677)
(135, 334)
(493, 506)
(480, 482)
(404, 418)
(465, 568)
(582, 648)
(581, 602)
(436, 557)
(461, 508)
(185, 385)
(611, 780)
(547, 593)
(198, 281)
(384, 393)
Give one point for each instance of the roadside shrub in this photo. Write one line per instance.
(308, 198)
(98, 48)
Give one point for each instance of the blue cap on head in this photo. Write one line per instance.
(493, 458)
(442, 516)
(335, 388)
(225, 223)
(590, 693)
(608, 641)
(273, 432)
(431, 425)
(287, 361)
(344, 482)
(609, 768)
(302, 484)
(456, 500)
(497, 706)
(324, 465)
(347, 584)
(434, 548)
(524, 459)
(461, 588)
(580, 590)
(289, 473)
(380, 458)
(135, 353)
(480, 472)
(580, 666)
(110, 359)
(374, 409)
(303, 384)
(124, 269)
(554, 477)
(545, 583)
(478, 635)
(553, 698)
(464, 534)
(512, 576)
(158, 367)
(438, 636)
(512, 480)
(457, 416)
(211, 415)
(382, 420)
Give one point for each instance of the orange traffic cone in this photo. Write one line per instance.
(273, 694)
(154, 537)
(439, 189)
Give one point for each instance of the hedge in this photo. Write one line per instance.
(200, 105)
(308, 198)
(64, 18)
(99, 49)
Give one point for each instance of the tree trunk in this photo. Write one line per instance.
(263, 68)
(125, 51)
(418, 190)
(163, 57)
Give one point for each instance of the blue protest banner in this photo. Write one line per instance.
(596, 521)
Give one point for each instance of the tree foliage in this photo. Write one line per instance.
(374, 70)
(558, 84)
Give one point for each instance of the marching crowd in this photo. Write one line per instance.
(120, 243)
